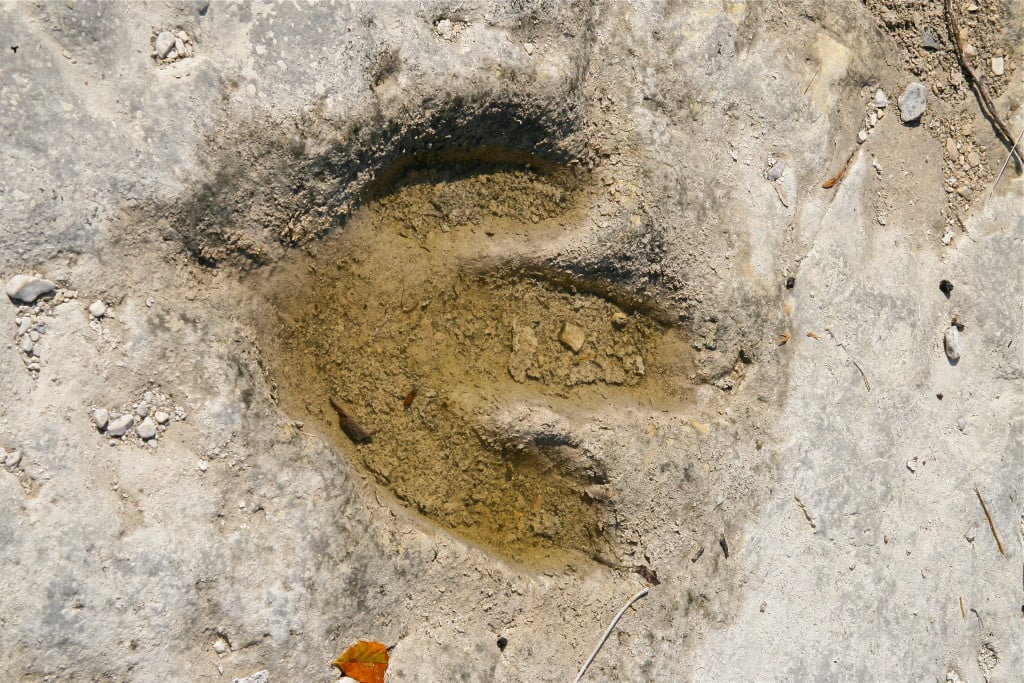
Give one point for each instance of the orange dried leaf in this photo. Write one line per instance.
(831, 182)
(365, 661)
(784, 339)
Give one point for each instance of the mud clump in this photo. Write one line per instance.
(421, 321)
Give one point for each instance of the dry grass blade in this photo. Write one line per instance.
(834, 180)
(991, 524)
(607, 633)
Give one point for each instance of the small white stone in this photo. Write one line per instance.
(100, 418)
(146, 429)
(862, 136)
(880, 101)
(142, 410)
(912, 464)
(961, 424)
(998, 66)
(203, 466)
(34, 336)
(913, 102)
(27, 344)
(163, 44)
(220, 646)
(25, 289)
(13, 459)
(120, 426)
(528, 47)
(953, 343)
(97, 309)
(161, 417)
(179, 47)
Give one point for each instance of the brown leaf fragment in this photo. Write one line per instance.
(648, 574)
(783, 339)
(834, 180)
(814, 336)
(348, 424)
(365, 662)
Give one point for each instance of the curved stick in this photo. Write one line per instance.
(607, 633)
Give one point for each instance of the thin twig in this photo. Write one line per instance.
(987, 106)
(607, 633)
(1003, 168)
(991, 524)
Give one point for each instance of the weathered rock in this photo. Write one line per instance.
(953, 343)
(161, 417)
(220, 646)
(880, 101)
(13, 459)
(142, 410)
(146, 429)
(931, 41)
(776, 171)
(119, 426)
(913, 102)
(97, 309)
(164, 44)
(572, 336)
(100, 417)
(26, 289)
(27, 345)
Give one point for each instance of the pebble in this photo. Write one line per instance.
(120, 426)
(25, 289)
(913, 102)
(953, 343)
(880, 101)
(912, 464)
(13, 458)
(619, 320)
(970, 51)
(220, 646)
(961, 424)
(951, 147)
(776, 171)
(573, 336)
(100, 417)
(930, 41)
(27, 344)
(258, 677)
(146, 429)
(97, 309)
(161, 417)
(998, 66)
(34, 336)
(142, 410)
(973, 158)
(164, 44)
(203, 466)
(862, 136)
(528, 47)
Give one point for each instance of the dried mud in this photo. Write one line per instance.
(431, 320)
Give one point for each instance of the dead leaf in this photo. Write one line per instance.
(831, 182)
(784, 339)
(814, 336)
(365, 661)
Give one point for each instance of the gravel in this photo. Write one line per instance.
(913, 102)
(25, 289)
(164, 44)
(120, 426)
